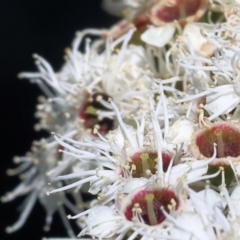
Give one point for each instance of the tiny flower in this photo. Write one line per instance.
(226, 135)
(126, 153)
(136, 126)
(164, 14)
(90, 117)
(33, 170)
(145, 205)
(153, 210)
(158, 13)
(182, 11)
(221, 87)
(78, 94)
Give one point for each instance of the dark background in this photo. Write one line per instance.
(45, 27)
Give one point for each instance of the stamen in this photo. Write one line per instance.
(173, 203)
(223, 176)
(151, 213)
(220, 144)
(91, 110)
(145, 166)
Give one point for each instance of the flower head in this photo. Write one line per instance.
(79, 93)
(33, 170)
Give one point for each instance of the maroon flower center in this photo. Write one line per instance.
(180, 10)
(147, 205)
(141, 22)
(225, 136)
(145, 164)
(90, 116)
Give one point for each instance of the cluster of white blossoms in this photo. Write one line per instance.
(144, 123)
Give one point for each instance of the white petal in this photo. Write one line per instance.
(116, 138)
(103, 222)
(189, 171)
(97, 185)
(181, 131)
(237, 168)
(158, 36)
(212, 198)
(198, 42)
(236, 193)
(235, 200)
(133, 184)
(216, 103)
(99, 214)
(194, 226)
(192, 31)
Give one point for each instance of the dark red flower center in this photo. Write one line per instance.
(144, 164)
(141, 22)
(90, 116)
(182, 9)
(225, 136)
(147, 206)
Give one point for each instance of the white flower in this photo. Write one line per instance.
(157, 13)
(165, 171)
(32, 170)
(118, 178)
(221, 90)
(123, 152)
(165, 213)
(78, 94)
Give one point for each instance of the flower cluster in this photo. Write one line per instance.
(146, 122)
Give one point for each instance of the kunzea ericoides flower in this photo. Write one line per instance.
(122, 154)
(157, 208)
(78, 93)
(33, 169)
(226, 137)
(160, 14)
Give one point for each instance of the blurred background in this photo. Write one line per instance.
(45, 27)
